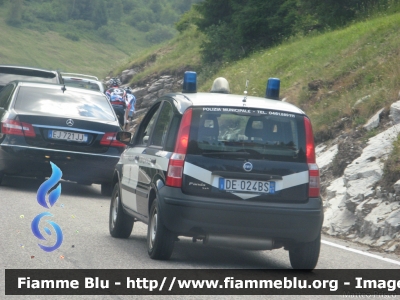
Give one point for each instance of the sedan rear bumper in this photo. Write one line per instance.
(75, 166)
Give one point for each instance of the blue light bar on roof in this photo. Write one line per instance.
(189, 82)
(273, 87)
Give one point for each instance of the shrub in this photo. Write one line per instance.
(71, 36)
(160, 34)
(106, 33)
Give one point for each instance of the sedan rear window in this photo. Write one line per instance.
(82, 83)
(262, 134)
(71, 102)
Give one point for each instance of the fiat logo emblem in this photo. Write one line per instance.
(248, 167)
(70, 122)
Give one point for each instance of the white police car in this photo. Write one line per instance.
(229, 170)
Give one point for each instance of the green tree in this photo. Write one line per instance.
(116, 11)
(141, 14)
(100, 14)
(235, 28)
(15, 13)
(129, 5)
(168, 16)
(187, 19)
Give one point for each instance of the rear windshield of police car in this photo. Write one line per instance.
(241, 132)
(71, 103)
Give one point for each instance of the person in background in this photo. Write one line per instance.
(117, 97)
(130, 111)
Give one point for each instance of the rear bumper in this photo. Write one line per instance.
(286, 222)
(75, 166)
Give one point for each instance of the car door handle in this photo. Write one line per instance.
(153, 161)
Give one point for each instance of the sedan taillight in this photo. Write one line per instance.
(13, 127)
(109, 140)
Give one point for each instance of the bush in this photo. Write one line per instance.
(144, 26)
(159, 34)
(71, 36)
(187, 20)
(222, 44)
(28, 16)
(106, 33)
(83, 24)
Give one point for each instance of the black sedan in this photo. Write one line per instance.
(70, 127)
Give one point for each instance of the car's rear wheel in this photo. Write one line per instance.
(106, 189)
(305, 255)
(120, 224)
(160, 241)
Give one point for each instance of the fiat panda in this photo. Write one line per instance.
(227, 170)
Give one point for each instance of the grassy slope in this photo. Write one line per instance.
(51, 50)
(182, 52)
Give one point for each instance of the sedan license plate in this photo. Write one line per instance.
(67, 136)
(240, 185)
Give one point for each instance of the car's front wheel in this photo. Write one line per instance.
(305, 255)
(160, 241)
(120, 224)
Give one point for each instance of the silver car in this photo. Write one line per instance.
(88, 82)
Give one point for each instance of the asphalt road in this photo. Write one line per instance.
(82, 213)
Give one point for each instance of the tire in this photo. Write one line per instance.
(160, 241)
(305, 255)
(106, 189)
(120, 224)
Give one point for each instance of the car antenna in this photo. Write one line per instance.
(64, 88)
(245, 92)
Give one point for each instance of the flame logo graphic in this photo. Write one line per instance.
(47, 185)
(57, 229)
(41, 199)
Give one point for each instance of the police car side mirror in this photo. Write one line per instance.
(124, 137)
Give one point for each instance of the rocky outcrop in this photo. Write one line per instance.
(374, 121)
(395, 112)
(354, 207)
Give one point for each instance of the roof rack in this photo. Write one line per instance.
(80, 75)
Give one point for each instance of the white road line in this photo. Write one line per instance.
(361, 252)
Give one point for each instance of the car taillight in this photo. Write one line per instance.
(109, 139)
(177, 160)
(313, 170)
(17, 128)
